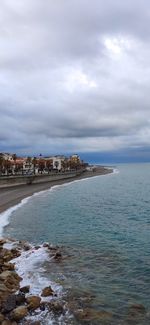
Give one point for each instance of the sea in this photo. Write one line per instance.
(102, 226)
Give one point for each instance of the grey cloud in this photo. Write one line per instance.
(74, 75)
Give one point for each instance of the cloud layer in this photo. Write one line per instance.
(74, 75)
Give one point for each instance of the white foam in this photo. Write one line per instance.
(30, 267)
(4, 216)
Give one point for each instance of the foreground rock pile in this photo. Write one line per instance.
(16, 302)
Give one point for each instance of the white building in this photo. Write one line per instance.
(57, 162)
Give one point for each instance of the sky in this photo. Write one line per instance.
(75, 78)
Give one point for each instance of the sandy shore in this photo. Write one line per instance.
(13, 195)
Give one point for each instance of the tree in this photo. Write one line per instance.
(7, 166)
(41, 165)
(34, 162)
(49, 164)
(1, 164)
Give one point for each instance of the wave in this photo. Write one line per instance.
(4, 216)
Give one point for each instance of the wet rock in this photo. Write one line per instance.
(29, 322)
(9, 304)
(11, 279)
(6, 322)
(15, 252)
(46, 245)
(20, 298)
(6, 255)
(3, 241)
(19, 313)
(136, 310)
(25, 289)
(37, 247)
(1, 318)
(42, 306)
(47, 292)
(4, 292)
(33, 302)
(27, 247)
(89, 315)
(55, 307)
(53, 248)
(8, 266)
(3, 288)
(58, 256)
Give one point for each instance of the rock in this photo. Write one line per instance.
(27, 246)
(3, 288)
(90, 315)
(4, 292)
(58, 256)
(9, 304)
(136, 310)
(3, 241)
(6, 255)
(11, 279)
(46, 245)
(33, 302)
(42, 306)
(53, 248)
(19, 313)
(8, 266)
(47, 292)
(20, 298)
(25, 289)
(15, 252)
(55, 306)
(29, 322)
(37, 247)
(1, 318)
(8, 322)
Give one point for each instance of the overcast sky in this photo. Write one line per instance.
(74, 76)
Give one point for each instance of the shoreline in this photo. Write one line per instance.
(12, 196)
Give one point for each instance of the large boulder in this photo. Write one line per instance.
(19, 313)
(9, 304)
(11, 279)
(33, 302)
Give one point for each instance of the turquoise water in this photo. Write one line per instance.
(103, 224)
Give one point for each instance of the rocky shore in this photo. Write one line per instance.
(17, 304)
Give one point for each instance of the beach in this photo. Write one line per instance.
(10, 196)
